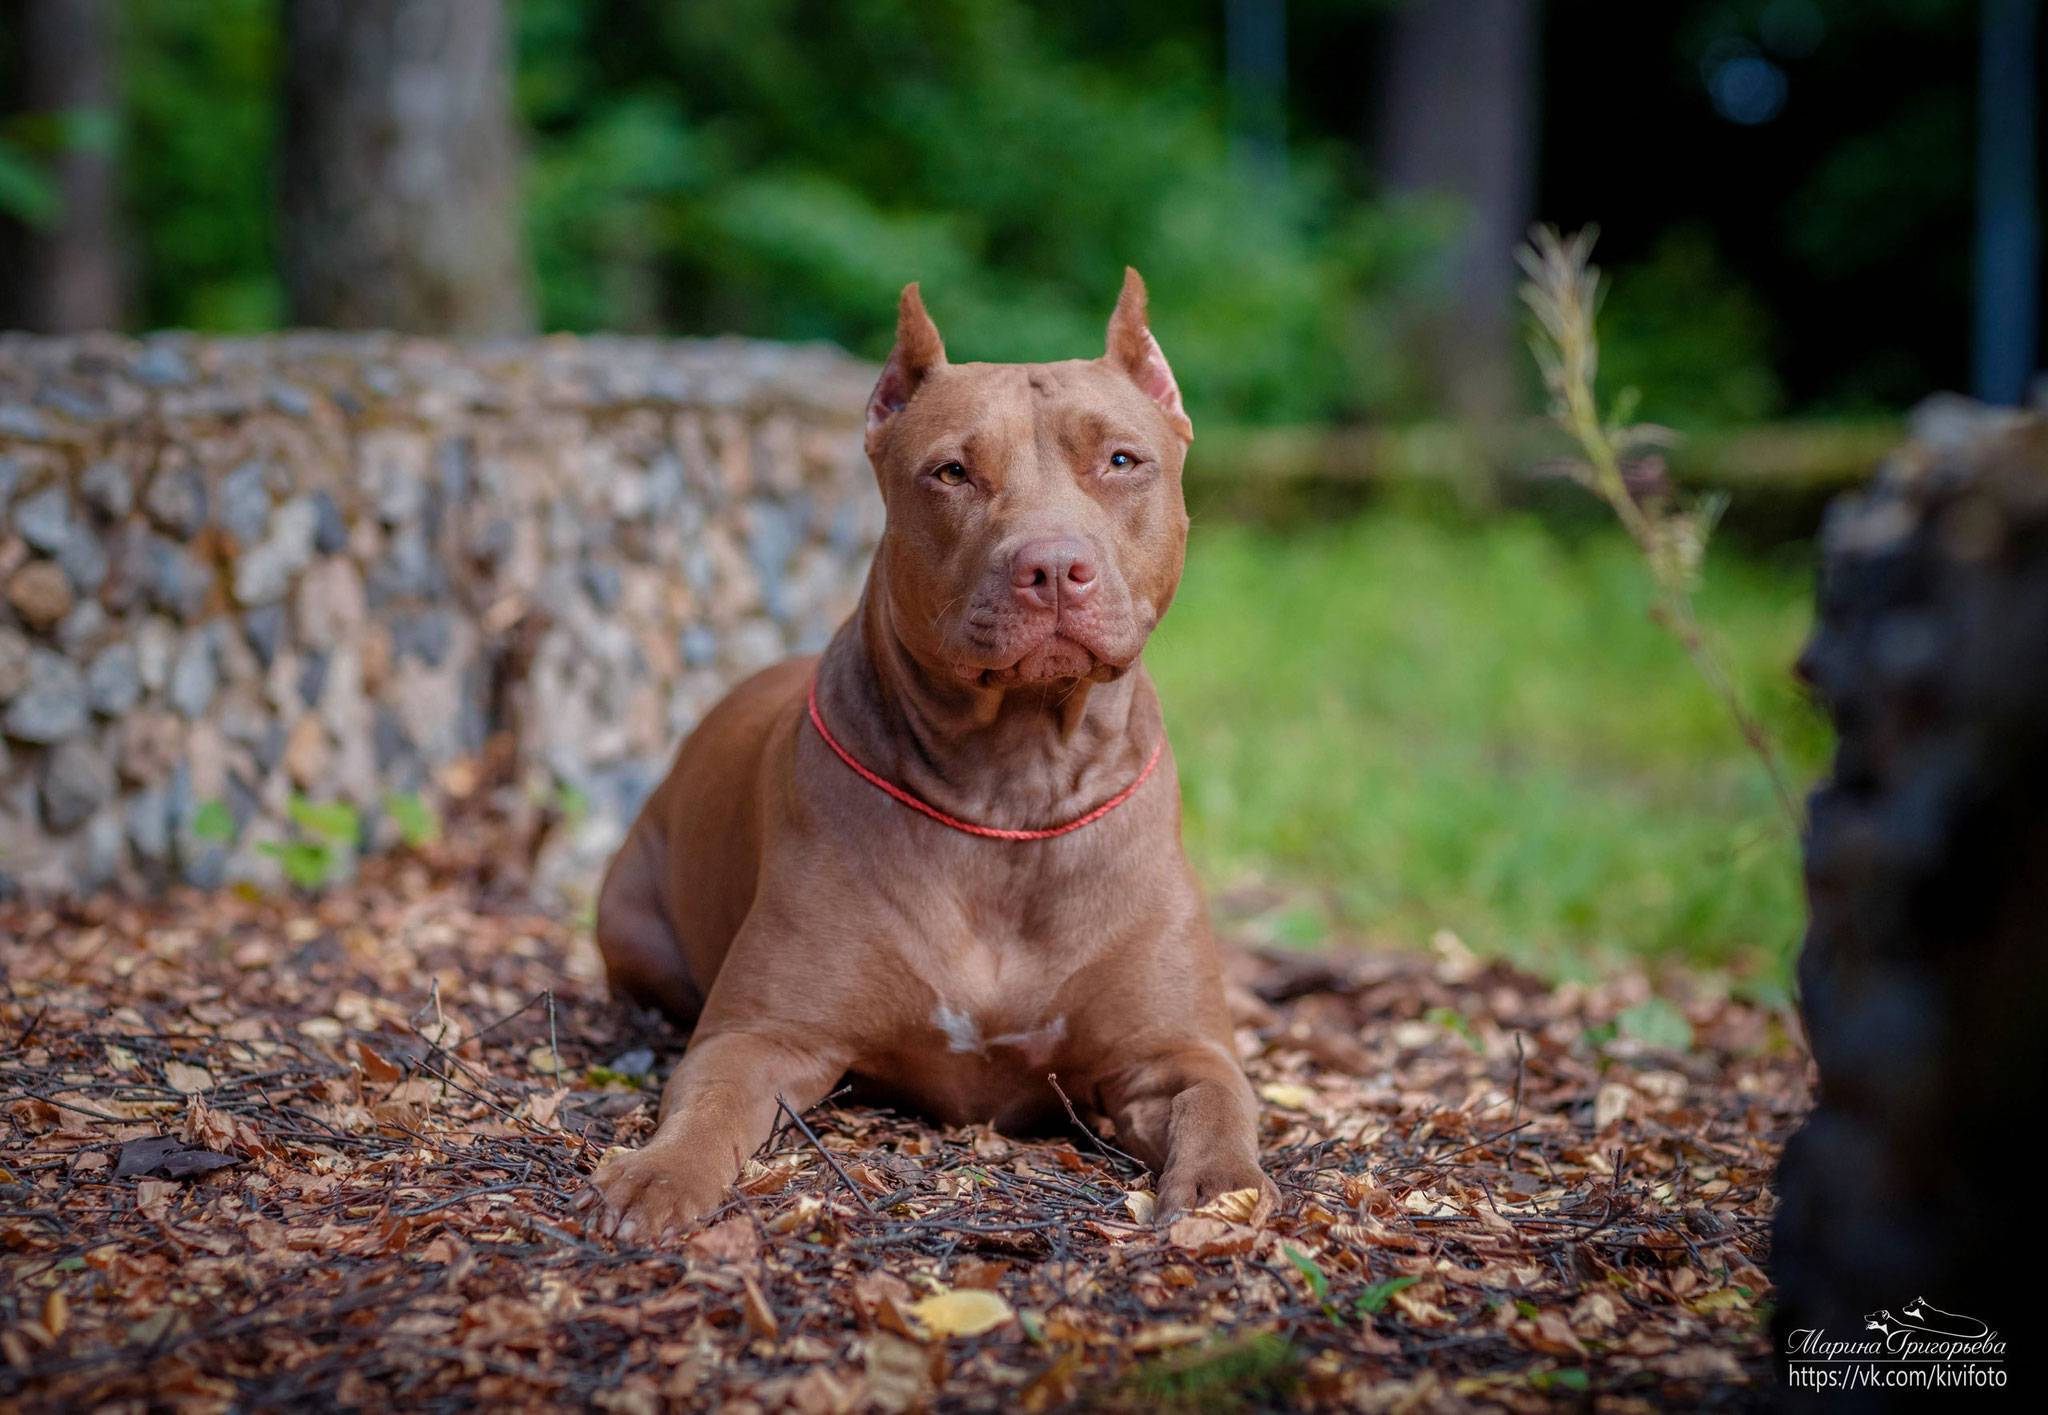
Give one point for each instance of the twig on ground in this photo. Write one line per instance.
(1094, 1139)
(819, 1145)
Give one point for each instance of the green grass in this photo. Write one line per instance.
(1415, 722)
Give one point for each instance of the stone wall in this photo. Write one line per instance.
(241, 575)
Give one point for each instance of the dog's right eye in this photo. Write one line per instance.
(951, 473)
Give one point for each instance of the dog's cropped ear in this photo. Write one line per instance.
(918, 351)
(1134, 351)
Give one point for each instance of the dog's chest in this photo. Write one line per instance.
(966, 1034)
(998, 999)
(979, 1025)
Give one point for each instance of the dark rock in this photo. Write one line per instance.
(244, 509)
(148, 823)
(312, 676)
(84, 561)
(472, 723)
(108, 488)
(194, 677)
(104, 851)
(664, 485)
(619, 791)
(177, 582)
(203, 864)
(77, 406)
(490, 540)
(162, 365)
(20, 420)
(602, 581)
(113, 685)
(290, 399)
(79, 630)
(264, 627)
(243, 804)
(425, 635)
(389, 739)
(407, 571)
(700, 646)
(52, 707)
(177, 500)
(637, 1062)
(44, 520)
(265, 571)
(846, 532)
(455, 460)
(330, 532)
(75, 781)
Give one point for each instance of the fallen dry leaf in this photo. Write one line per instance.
(187, 1079)
(960, 1312)
(1210, 1237)
(760, 1316)
(1168, 1334)
(1610, 1104)
(168, 1156)
(899, 1377)
(1287, 1093)
(1237, 1206)
(730, 1243)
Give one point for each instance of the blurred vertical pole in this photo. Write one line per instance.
(65, 273)
(2008, 193)
(1458, 119)
(400, 188)
(1255, 72)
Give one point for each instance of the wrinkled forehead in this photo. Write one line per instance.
(982, 406)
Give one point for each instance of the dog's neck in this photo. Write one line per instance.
(1014, 757)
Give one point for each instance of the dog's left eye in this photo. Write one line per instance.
(952, 473)
(1122, 460)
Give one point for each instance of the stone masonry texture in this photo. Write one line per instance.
(242, 579)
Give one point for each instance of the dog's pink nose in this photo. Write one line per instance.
(1052, 571)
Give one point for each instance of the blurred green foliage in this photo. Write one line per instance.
(1691, 339)
(199, 92)
(1524, 760)
(785, 166)
(780, 167)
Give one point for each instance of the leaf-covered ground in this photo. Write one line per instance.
(258, 1153)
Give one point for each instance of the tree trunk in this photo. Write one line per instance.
(65, 272)
(1923, 982)
(2008, 315)
(1255, 70)
(1458, 120)
(400, 182)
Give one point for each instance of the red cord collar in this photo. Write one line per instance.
(987, 831)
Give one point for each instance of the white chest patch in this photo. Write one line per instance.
(963, 1034)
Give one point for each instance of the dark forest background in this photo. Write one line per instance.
(1324, 192)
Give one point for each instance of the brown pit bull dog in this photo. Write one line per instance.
(944, 858)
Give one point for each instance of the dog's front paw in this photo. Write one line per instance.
(1189, 1184)
(651, 1195)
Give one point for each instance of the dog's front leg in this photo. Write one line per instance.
(717, 1109)
(1189, 1113)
